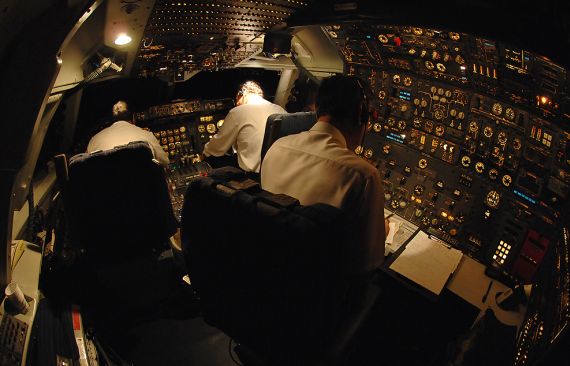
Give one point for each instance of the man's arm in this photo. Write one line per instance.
(225, 138)
(158, 151)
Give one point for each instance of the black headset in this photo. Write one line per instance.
(364, 113)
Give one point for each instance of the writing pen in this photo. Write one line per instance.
(387, 217)
(487, 292)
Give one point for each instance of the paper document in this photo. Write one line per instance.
(428, 262)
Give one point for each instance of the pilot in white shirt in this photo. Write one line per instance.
(244, 127)
(320, 166)
(124, 131)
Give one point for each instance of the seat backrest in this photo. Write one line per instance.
(283, 124)
(269, 272)
(117, 201)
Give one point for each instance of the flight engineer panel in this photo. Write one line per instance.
(470, 136)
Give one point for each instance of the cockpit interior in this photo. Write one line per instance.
(110, 258)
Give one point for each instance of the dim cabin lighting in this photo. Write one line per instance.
(123, 39)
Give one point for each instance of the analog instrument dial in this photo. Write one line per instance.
(422, 163)
(211, 128)
(454, 36)
(510, 114)
(493, 174)
(497, 109)
(441, 67)
(493, 199)
(466, 161)
(507, 180)
(396, 79)
(473, 126)
(488, 131)
(383, 38)
(502, 138)
(419, 190)
(407, 81)
(381, 94)
(429, 65)
(368, 153)
(439, 130)
(377, 127)
(479, 167)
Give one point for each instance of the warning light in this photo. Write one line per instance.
(398, 41)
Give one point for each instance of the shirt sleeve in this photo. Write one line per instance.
(158, 151)
(225, 138)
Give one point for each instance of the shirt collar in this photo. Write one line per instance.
(255, 99)
(328, 128)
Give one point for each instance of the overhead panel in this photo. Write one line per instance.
(184, 36)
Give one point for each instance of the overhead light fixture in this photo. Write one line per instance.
(123, 39)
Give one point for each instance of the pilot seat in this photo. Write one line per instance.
(270, 273)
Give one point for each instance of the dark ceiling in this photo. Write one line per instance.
(182, 36)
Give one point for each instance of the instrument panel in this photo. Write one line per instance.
(470, 135)
(183, 128)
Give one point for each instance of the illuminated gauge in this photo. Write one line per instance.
(358, 150)
(429, 65)
(169, 132)
(466, 161)
(382, 38)
(433, 90)
(157, 135)
(162, 133)
(496, 152)
(417, 122)
(448, 93)
(510, 114)
(473, 126)
(368, 153)
(459, 60)
(381, 94)
(211, 128)
(493, 174)
(502, 138)
(171, 146)
(201, 128)
(177, 138)
(440, 91)
(422, 163)
(171, 139)
(419, 190)
(402, 125)
(453, 112)
(377, 127)
(164, 141)
(440, 67)
(396, 79)
(461, 115)
(423, 103)
(479, 167)
(407, 81)
(412, 51)
(176, 131)
(439, 130)
(403, 107)
(386, 149)
(493, 198)
(517, 144)
(428, 126)
(488, 131)
(391, 121)
(454, 36)
(416, 101)
(182, 129)
(507, 180)
(438, 114)
(333, 34)
(417, 31)
(435, 55)
(497, 109)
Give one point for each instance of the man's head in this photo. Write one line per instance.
(342, 101)
(246, 89)
(121, 112)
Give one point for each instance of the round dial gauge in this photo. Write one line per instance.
(333, 34)
(507, 180)
(368, 153)
(417, 122)
(502, 138)
(493, 174)
(402, 124)
(510, 114)
(439, 130)
(473, 126)
(429, 65)
(391, 121)
(466, 161)
(428, 126)
(381, 94)
(422, 163)
(377, 127)
(182, 129)
(438, 114)
(493, 198)
(480, 167)
(407, 81)
(211, 128)
(441, 67)
(382, 38)
(517, 144)
(497, 109)
(396, 79)
(488, 131)
(454, 36)
(419, 190)
(201, 128)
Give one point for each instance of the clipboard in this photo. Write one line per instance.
(427, 261)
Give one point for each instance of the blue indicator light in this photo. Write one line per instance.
(522, 195)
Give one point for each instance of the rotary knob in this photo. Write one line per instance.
(402, 204)
(418, 213)
(394, 204)
(419, 190)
